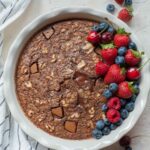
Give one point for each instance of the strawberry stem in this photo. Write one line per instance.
(141, 67)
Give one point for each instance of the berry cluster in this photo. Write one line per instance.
(119, 68)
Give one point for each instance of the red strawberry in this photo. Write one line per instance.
(120, 2)
(125, 90)
(108, 53)
(125, 15)
(115, 74)
(132, 58)
(133, 74)
(101, 68)
(114, 102)
(121, 38)
(113, 115)
(94, 37)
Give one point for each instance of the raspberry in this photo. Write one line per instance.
(113, 115)
(114, 102)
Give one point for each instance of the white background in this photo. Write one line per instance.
(140, 25)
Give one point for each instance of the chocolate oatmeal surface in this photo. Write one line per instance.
(56, 82)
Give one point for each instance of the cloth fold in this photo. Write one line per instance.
(12, 137)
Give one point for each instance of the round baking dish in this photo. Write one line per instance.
(13, 103)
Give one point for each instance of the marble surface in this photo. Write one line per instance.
(140, 25)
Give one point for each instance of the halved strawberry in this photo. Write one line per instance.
(108, 53)
(115, 74)
(121, 38)
(132, 58)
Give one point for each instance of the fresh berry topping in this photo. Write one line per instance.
(108, 54)
(113, 87)
(114, 102)
(106, 121)
(121, 38)
(130, 106)
(111, 30)
(107, 93)
(122, 51)
(104, 107)
(113, 126)
(118, 123)
(100, 27)
(97, 133)
(125, 141)
(115, 74)
(136, 89)
(132, 45)
(101, 68)
(94, 37)
(113, 115)
(106, 131)
(125, 15)
(124, 113)
(133, 74)
(120, 60)
(132, 58)
(110, 8)
(107, 37)
(125, 90)
(120, 2)
(128, 2)
(123, 102)
(100, 124)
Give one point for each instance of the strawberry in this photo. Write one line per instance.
(120, 2)
(121, 38)
(115, 74)
(132, 58)
(94, 37)
(113, 115)
(101, 68)
(125, 15)
(108, 53)
(126, 90)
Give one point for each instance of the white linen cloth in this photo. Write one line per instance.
(11, 136)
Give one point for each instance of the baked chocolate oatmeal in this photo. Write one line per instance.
(56, 82)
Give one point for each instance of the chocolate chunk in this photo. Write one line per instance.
(48, 33)
(34, 68)
(58, 112)
(71, 126)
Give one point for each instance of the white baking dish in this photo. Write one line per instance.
(10, 93)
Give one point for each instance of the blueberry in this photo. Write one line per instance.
(111, 30)
(95, 28)
(107, 93)
(103, 26)
(120, 60)
(136, 89)
(132, 45)
(97, 133)
(122, 50)
(106, 131)
(128, 2)
(113, 126)
(106, 121)
(123, 102)
(124, 113)
(104, 107)
(113, 87)
(129, 106)
(110, 8)
(133, 98)
(119, 122)
(128, 148)
(100, 124)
